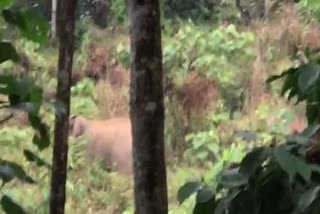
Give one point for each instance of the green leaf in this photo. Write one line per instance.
(32, 157)
(206, 207)
(292, 165)
(10, 170)
(311, 111)
(253, 160)
(291, 82)
(9, 206)
(187, 190)
(297, 138)
(309, 74)
(310, 130)
(307, 198)
(30, 24)
(224, 203)
(41, 138)
(5, 4)
(204, 194)
(14, 18)
(244, 203)
(275, 77)
(8, 52)
(232, 178)
(36, 28)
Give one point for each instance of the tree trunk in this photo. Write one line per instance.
(244, 12)
(47, 5)
(99, 11)
(66, 10)
(53, 31)
(261, 6)
(147, 107)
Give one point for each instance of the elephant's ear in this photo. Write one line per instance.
(72, 119)
(73, 116)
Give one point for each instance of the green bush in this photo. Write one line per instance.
(210, 52)
(267, 180)
(82, 100)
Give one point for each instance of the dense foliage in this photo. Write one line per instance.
(219, 123)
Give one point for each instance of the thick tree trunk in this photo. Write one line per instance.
(147, 107)
(47, 8)
(99, 11)
(66, 22)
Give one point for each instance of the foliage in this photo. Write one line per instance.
(285, 176)
(274, 120)
(22, 94)
(302, 82)
(118, 12)
(278, 175)
(206, 144)
(189, 48)
(200, 11)
(310, 6)
(122, 55)
(82, 100)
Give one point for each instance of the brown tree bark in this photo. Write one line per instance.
(147, 107)
(244, 12)
(99, 11)
(66, 22)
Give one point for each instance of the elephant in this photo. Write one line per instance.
(109, 140)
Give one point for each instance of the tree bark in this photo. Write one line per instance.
(261, 6)
(66, 21)
(244, 12)
(47, 8)
(147, 107)
(53, 31)
(99, 11)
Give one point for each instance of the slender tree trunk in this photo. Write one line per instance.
(261, 5)
(244, 12)
(66, 10)
(54, 20)
(147, 107)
